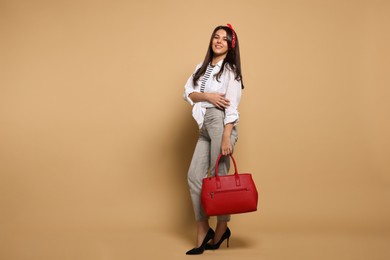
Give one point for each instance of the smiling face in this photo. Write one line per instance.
(219, 43)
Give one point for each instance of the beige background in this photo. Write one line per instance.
(95, 138)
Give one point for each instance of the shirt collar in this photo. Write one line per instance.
(219, 64)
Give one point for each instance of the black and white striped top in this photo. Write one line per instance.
(206, 76)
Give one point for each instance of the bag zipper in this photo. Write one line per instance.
(224, 191)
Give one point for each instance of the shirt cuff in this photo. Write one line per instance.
(232, 119)
(187, 98)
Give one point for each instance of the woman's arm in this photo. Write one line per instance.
(217, 99)
(233, 93)
(226, 146)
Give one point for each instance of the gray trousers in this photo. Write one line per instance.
(205, 156)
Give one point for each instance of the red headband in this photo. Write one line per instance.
(234, 35)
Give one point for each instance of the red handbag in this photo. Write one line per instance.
(229, 194)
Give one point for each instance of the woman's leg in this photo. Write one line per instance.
(219, 230)
(201, 231)
(198, 170)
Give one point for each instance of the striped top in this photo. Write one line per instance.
(206, 76)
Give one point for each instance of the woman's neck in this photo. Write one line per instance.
(217, 59)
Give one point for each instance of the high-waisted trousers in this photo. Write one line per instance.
(207, 150)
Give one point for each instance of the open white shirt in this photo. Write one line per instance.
(227, 85)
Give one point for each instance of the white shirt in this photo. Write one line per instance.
(227, 85)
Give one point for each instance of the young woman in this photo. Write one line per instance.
(214, 91)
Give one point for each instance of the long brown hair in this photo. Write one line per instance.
(232, 58)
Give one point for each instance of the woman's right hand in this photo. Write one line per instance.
(218, 100)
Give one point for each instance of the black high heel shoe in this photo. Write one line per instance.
(225, 235)
(199, 250)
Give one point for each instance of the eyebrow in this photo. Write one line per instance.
(220, 35)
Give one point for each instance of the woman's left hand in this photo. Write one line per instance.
(226, 147)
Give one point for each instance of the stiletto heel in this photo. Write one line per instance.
(225, 235)
(199, 250)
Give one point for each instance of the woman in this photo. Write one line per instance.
(214, 91)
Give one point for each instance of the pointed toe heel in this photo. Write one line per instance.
(226, 235)
(200, 250)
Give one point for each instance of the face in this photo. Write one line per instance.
(219, 43)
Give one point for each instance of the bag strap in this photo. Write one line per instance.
(238, 182)
(217, 163)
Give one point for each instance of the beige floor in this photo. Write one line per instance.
(128, 243)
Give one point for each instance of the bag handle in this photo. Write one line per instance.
(217, 163)
(238, 183)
